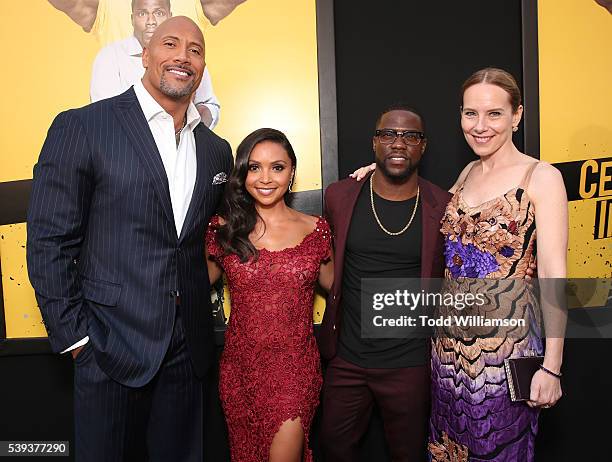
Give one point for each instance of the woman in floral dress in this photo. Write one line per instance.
(490, 232)
(272, 255)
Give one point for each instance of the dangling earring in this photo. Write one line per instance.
(515, 129)
(291, 184)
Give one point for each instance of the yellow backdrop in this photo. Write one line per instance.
(575, 121)
(263, 64)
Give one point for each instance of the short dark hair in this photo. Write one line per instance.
(167, 3)
(400, 106)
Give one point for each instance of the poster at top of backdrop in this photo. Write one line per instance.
(575, 72)
(262, 64)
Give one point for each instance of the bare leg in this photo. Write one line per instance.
(288, 443)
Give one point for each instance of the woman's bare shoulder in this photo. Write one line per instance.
(546, 182)
(545, 173)
(462, 176)
(305, 220)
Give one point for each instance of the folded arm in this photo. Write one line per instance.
(82, 12)
(216, 10)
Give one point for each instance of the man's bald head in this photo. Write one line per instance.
(176, 25)
(174, 59)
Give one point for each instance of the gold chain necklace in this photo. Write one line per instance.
(390, 233)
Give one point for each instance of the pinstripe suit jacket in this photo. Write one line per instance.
(103, 253)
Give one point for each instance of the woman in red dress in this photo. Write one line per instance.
(273, 256)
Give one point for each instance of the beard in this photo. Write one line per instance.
(397, 176)
(174, 92)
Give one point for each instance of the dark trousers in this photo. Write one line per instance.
(349, 393)
(161, 421)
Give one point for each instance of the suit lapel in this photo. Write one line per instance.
(132, 119)
(200, 184)
(430, 229)
(344, 223)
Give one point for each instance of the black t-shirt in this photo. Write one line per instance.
(372, 253)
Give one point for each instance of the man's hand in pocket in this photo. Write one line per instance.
(76, 351)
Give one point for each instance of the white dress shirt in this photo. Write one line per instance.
(118, 66)
(180, 163)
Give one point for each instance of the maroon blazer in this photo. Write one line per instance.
(340, 199)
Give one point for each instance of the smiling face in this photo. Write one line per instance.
(270, 171)
(398, 159)
(487, 118)
(146, 16)
(174, 59)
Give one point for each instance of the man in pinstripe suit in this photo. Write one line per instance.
(122, 193)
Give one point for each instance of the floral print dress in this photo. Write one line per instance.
(472, 417)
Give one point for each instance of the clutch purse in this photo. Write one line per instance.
(519, 372)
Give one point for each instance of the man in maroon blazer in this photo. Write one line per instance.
(386, 226)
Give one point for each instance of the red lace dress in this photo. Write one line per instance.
(270, 367)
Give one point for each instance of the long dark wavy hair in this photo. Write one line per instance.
(238, 207)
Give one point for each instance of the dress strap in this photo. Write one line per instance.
(466, 176)
(527, 177)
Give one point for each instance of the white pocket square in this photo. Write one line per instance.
(219, 178)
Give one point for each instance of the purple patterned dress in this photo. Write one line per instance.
(472, 417)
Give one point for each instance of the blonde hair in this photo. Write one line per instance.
(498, 77)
